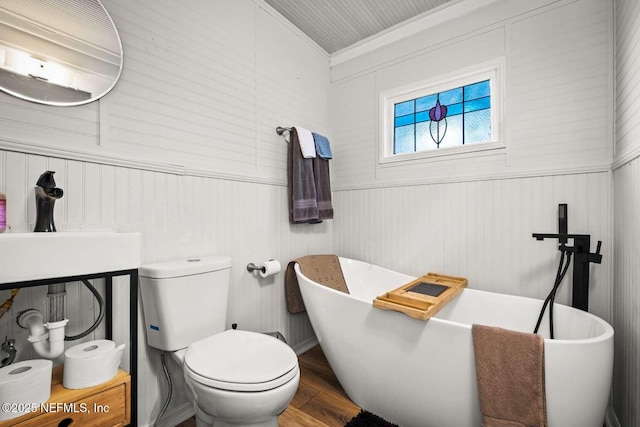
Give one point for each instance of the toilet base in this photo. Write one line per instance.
(205, 420)
(222, 408)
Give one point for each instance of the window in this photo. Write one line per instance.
(446, 117)
(456, 117)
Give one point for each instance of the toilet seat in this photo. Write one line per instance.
(241, 361)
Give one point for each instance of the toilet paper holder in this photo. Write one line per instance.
(265, 269)
(251, 267)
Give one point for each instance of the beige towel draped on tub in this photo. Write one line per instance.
(510, 374)
(323, 269)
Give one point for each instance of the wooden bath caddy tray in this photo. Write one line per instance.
(423, 297)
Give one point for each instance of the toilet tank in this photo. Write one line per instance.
(184, 301)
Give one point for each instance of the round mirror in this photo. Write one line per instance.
(58, 52)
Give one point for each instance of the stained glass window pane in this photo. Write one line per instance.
(422, 116)
(466, 119)
(404, 120)
(423, 139)
(477, 126)
(454, 134)
(477, 90)
(452, 96)
(454, 109)
(404, 108)
(477, 104)
(426, 102)
(404, 140)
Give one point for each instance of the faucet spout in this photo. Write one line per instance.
(46, 195)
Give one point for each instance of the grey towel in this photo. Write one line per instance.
(303, 206)
(323, 188)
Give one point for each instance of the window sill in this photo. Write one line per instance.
(443, 154)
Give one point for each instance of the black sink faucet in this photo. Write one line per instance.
(582, 257)
(46, 195)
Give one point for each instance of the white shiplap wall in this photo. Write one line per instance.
(557, 92)
(198, 87)
(627, 87)
(474, 215)
(480, 230)
(183, 150)
(180, 166)
(626, 294)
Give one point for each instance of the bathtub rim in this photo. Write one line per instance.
(607, 329)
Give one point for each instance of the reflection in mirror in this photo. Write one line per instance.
(58, 52)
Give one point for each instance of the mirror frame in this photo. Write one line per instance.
(17, 94)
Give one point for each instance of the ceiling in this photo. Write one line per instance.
(337, 24)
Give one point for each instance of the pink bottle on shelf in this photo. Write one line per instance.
(3, 212)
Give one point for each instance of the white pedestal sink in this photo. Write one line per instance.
(33, 256)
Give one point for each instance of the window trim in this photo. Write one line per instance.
(491, 70)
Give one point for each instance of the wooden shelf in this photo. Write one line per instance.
(423, 297)
(108, 277)
(105, 405)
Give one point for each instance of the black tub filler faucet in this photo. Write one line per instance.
(582, 257)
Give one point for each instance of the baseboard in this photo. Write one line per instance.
(177, 415)
(610, 419)
(305, 345)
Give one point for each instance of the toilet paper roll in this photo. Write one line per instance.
(91, 363)
(270, 268)
(24, 386)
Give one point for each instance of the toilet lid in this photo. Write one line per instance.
(241, 361)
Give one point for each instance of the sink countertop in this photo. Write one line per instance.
(34, 256)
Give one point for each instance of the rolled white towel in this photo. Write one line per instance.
(307, 144)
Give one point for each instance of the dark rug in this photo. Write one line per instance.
(367, 419)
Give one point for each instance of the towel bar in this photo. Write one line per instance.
(280, 130)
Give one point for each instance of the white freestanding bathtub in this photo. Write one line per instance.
(419, 373)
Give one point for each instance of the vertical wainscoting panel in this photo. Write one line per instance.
(626, 294)
(179, 217)
(480, 230)
(626, 290)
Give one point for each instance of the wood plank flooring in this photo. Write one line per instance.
(320, 400)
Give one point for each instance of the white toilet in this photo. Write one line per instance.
(237, 378)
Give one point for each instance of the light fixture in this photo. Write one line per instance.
(20, 62)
